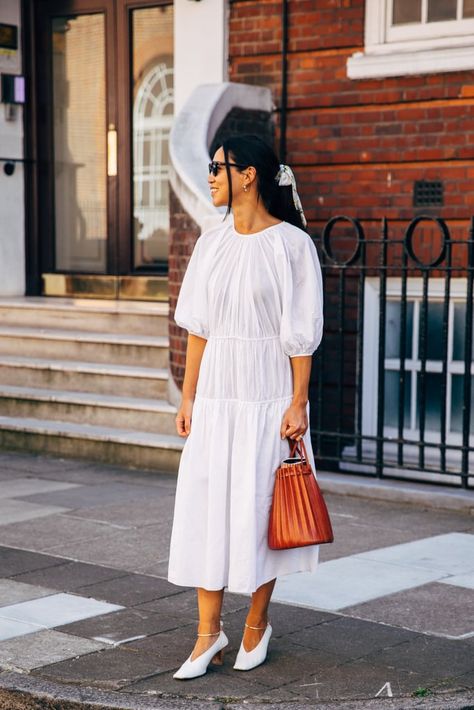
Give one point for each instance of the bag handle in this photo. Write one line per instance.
(301, 450)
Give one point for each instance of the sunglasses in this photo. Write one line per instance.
(214, 166)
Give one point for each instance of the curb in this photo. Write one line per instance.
(424, 495)
(51, 696)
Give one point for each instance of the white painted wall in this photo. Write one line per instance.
(12, 207)
(200, 50)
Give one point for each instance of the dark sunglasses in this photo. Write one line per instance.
(214, 166)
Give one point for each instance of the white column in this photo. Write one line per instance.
(12, 200)
(200, 49)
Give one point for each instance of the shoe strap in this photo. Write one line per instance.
(215, 634)
(257, 628)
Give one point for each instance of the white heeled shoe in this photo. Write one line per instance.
(246, 660)
(214, 654)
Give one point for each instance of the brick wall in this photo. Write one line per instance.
(357, 146)
(183, 234)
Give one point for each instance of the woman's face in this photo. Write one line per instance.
(219, 185)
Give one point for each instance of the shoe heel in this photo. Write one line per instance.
(218, 659)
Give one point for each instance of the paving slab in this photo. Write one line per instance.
(130, 590)
(350, 638)
(110, 669)
(42, 648)
(184, 602)
(12, 592)
(68, 576)
(43, 534)
(347, 581)
(434, 659)
(130, 550)
(10, 628)
(216, 684)
(13, 562)
(14, 511)
(460, 580)
(452, 553)
(356, 680)
(133, 513)
(56, 610)
(24, 486)
(123, 626)
(432, 608)
(93, 495)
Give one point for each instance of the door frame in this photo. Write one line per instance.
(39, 195)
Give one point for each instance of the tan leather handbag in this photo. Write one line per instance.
(298, 515)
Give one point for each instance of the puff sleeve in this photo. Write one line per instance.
(191, 312)
(301, 326)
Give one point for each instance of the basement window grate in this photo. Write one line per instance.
(428, 193)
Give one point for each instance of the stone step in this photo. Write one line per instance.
(76, 376)
(136, 414)
(117, 348)
(132, 317)
(139, 449)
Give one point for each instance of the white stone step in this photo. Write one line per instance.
(133, 413)
(118, 348)
(146, 318)
(77, 376)
(120, 446)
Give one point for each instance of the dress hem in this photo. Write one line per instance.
(234, 590)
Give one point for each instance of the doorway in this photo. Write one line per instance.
(104, 91)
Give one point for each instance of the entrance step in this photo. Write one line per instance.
(88, 379)
(139, 414)
(77, 376)
(108, 444)
(117, 348)
(132, 317)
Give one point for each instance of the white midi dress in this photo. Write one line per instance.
(258, 300)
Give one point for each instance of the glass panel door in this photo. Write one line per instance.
(79, 142)
(152, 117)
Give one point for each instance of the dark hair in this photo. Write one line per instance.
(250, 150)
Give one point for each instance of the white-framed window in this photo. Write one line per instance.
(415, 37)
(434, 402)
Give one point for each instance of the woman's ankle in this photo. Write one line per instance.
(257, 620)
(211, 626)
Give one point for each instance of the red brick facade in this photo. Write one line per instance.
(357, 146)
(183, 234)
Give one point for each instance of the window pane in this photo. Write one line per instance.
(79, 132)
(392, 383)
(433, 382)
(393, 332)
(152, 120)
(406, 11)
(457, 398)
(441, 10)
(434, 344)
(459, 331)
(468, 9)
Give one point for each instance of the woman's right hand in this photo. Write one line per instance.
(183, 418)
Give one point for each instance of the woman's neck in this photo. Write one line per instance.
(252, 217)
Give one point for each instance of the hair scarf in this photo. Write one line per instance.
(285, 177)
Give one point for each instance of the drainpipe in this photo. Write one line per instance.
(284, 80)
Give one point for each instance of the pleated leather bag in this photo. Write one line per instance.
(298, 515)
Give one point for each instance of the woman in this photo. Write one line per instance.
(251, 300)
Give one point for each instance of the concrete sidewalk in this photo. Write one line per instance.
(87, 615)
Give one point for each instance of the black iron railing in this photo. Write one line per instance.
(391, 393)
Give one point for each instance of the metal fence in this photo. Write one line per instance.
(391, 390)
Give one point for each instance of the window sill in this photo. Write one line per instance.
(383, 61)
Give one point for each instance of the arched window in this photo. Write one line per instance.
(152, 121)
